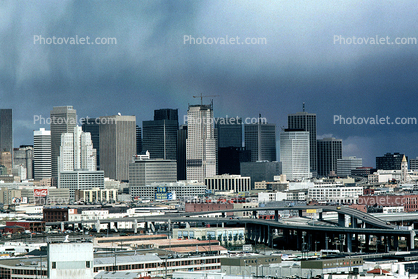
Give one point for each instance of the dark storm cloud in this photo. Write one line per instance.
(151, 68)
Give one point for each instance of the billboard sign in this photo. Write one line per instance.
(38, 193)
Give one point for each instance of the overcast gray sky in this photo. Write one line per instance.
(150, 67)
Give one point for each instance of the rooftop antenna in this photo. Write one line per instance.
(303, 107)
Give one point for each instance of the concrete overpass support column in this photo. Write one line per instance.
(135, 226)
(367, 242)
(299, 240)
(108, 227)
(320, 215)
(98, 226)
(276, 215)
(62, 226)
(286, 236)
(326, 241)
(169, 225)
(341, 219)
(395, 243)
(269, 237)
(300, 213)
(349, 242)
(412, 240)
(387, 243)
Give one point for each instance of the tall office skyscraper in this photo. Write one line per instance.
(63, 120)
(229, 132)
(329, 151)
(200, 143)
(77, 152)
(138, 140)
(260, 139)
(42, 154)
(91, 125)
(6, 133)
(294, 154)
(160, 134)
(117, 145)
(23, 156)
(181, 152)
(307, 122)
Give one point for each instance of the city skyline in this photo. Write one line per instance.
(151, 67)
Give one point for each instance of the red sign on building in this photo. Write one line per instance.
(40, 193)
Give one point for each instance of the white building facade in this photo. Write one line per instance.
(200, 143)
(294, 154)
(42, 154)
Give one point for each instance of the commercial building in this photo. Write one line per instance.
(306, 122)
(7, 161)
(92, 126)
(42, 154)
(72, 258)
(138, 139)
(335, 194)
(97, 195)
(226, 182)
(229, 132)
(205, 206)
(260, 171)
(329, 151)
(362, 171)
(186, 189)
(160, 134)
(23, 156)
(143, 172)
(77, 152)
(413, 164)
(295, 154)
(181, 152)
(63, 120)
(81, 180)
(346, 164)
(6, 133)
(45, 195)
(260, 140)
(230, 159)
(201, 159)
(117, 145)
(390, 161)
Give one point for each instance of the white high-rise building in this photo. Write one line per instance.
(42, 154)
(200, 143)
(77, 152)
(294, 154)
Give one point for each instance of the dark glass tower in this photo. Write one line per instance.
(160, 134)
(329, 151)
(91, 125)
(138, 140)
(390, 161)
(260, 139)
(6, 131)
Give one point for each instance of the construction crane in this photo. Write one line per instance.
(206, 96)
